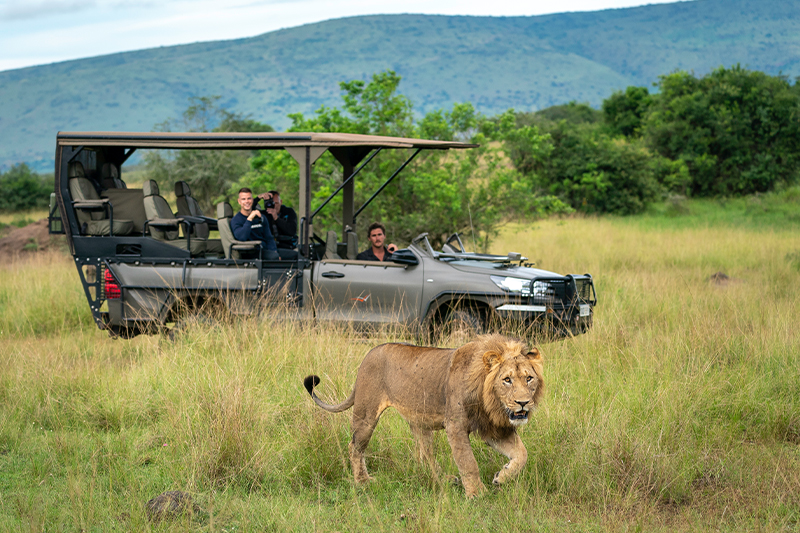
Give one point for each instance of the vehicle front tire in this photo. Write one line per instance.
(459, 326)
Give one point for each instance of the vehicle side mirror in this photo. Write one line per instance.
(405, 257)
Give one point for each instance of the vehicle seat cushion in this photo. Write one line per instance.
(75, 170)
(182, 188)
(224, 210)
(352, 244)
(214, 246)
(101, 227)
(156, 207)
(128, 204)
(81, 188)
(188, 206)
(110, 177)
(150, 188)
(198, 247)
(331, 246)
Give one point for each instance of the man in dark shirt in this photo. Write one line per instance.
(283, 222)
(247, 225)
(377, 252)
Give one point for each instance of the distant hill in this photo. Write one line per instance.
(528, 63)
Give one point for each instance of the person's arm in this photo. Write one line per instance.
(287, 225)
(240, 226)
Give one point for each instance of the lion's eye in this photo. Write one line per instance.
(530, 378)
(507, 381)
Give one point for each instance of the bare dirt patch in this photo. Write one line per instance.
(29, 240)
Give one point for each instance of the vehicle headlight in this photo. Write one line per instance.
(542, 288)
(515, 285)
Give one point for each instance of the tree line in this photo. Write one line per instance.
(731, 132)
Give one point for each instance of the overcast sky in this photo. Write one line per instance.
(35, 32)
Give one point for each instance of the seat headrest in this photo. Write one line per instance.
(182, 189)
(224, 210)
(109, 171)
(150, 188)
(75, 170)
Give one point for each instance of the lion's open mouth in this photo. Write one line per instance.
(518, 416)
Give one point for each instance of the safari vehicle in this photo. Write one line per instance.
(144, 267)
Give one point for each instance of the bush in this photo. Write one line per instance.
(736, 130)
(21, 188)
(592, 172)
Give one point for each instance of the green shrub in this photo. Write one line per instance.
(736, 130)
(594, 173)
(21, 188)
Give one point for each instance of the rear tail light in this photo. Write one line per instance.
(111, 286)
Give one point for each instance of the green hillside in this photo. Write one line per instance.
(495, 62)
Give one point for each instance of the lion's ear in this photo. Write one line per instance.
(534, 355)
(490, 359)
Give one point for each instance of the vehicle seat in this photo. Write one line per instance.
(163, 224)
(352, 244)
(188, 207)
(94, 214)
(331, 246)
(232, 248)
(110, 177)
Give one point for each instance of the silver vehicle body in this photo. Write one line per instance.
(136, 284)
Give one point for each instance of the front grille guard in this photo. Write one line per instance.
(561, 293)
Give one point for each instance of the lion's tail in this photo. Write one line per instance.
(312, 381)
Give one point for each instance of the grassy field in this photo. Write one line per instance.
(680, 410)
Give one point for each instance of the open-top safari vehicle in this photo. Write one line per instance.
(144, 267)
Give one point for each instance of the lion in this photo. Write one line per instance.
(488, 386)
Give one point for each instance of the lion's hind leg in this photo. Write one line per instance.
(513, 448)
(365, 419)
(359, 464)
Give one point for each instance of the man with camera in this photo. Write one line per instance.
(283, 221)
(377, 251)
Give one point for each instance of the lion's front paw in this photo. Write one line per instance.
(475, 490)
(501, 476)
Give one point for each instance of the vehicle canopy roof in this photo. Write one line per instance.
(250, 140)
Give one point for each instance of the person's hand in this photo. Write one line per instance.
(253, 214)
(265, 196)
(271, 211)
(392, 248)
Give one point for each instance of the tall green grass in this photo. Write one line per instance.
(679, 410)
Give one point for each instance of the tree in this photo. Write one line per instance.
(439, 192)
(208, 172)
(21, 188)
(738, 131)
(595, 173)
(624, 111)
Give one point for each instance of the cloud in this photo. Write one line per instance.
(23, 10)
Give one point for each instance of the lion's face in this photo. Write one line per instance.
(515, 386)
(514, 383)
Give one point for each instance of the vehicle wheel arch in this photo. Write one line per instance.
(470, 307)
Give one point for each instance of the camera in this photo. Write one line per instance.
(269, 203)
